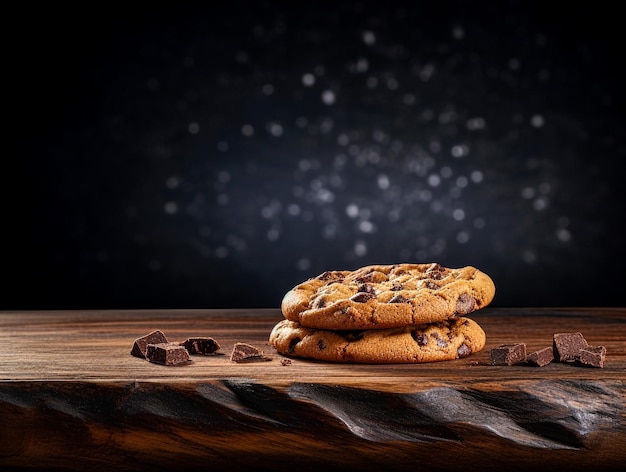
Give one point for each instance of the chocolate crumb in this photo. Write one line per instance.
(285, 362)
(593, 356)
(166, 353)
(139, 346)
(508, 354)
(567, 346)
(541, 357)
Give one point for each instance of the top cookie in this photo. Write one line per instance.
(387, 296)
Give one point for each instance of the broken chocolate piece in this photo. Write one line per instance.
(166, 353)
(567, 346)
(201, 345)
(508, 354)
(541, 357)
(593, 356)
(139, 346)
(245, 352)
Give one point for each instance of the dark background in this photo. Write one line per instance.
(214, 156)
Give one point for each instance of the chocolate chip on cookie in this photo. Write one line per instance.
(436, 271)
(362, 297)
(399, 299)
(420, 338)
(465, 304)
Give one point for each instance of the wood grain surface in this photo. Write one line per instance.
(73, 398)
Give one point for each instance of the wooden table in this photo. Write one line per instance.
(73, 398)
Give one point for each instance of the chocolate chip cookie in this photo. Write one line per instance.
(442, 341)
(387, 296)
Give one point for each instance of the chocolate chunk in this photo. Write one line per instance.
(139, 346)
(541, 357)
(201, 345)
(319, 302)
(465, 304)
(436, 271)
(396, 287)
(435, 267)
(292, 344)
(432, 285)
(399, 299)
(245, 352)
(440, 341)
(420, 338)
(330, 275)
(436, 275)
(567, 346)
(366, 288)
(508, 354)
(593, 356)
(463, 351)
(362, 297)
(321, 345)
(166, 353)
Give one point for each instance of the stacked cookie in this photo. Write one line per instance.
(402, 313)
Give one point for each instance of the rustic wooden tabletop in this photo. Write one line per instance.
(73, 398)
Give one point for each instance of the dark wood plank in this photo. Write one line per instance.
(72, 398)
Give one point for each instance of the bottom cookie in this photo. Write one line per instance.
(446, 340)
